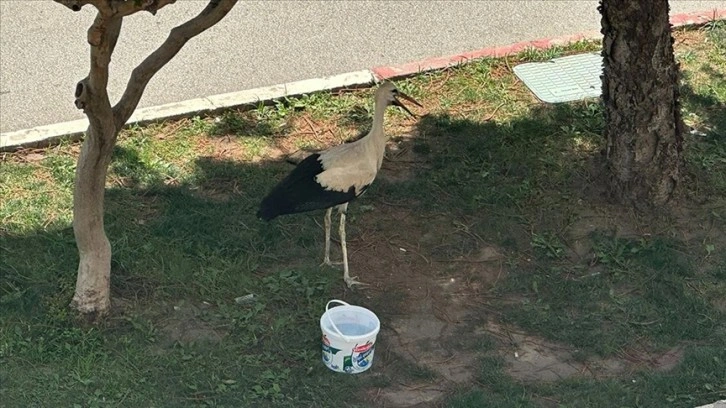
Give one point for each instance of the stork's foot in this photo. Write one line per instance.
(353, 281)
(327, 262)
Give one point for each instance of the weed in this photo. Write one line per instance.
(548, 244)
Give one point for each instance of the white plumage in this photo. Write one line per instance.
(336, 176)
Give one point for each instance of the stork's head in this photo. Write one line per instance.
(388, 93)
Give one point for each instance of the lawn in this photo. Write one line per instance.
(502, 272)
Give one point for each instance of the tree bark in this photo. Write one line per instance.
(92, 297)
(93, 282)
(643, 124)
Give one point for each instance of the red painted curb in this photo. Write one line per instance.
(703, 17)
(431, 64)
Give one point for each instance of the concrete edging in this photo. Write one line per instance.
(43, 135)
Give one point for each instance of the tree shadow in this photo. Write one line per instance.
(711, 110)
(481, 164)
(705, 152)
(245, 123)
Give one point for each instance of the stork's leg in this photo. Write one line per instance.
(326, 258)
(341, 231)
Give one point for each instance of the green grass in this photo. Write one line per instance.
(641, 292)
(501, 169)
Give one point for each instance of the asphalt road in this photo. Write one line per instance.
(43, 51)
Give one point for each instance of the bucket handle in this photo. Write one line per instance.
(332, 323)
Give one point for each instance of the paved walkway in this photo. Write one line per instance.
(43, 52)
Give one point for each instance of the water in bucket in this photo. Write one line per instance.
(349, 337)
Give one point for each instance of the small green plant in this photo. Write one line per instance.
(197, 125)
(548, 244)
(687, 57)
(716, 33)
(617, 253)
(537, 54)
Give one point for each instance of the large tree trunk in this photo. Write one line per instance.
(643, 124)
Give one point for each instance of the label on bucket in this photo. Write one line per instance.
(362, 356)
(354, 360)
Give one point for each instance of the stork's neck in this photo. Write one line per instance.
(377, 128)
(376, 138)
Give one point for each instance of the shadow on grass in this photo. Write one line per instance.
(250, 123)
(707, 106)
(706, 155)
(506, 166)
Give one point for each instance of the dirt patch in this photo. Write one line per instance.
(218, 190)
(184, 325)
(719, 304)
(640, 357)
(534, 359)
(424, 304)
(401, 163)
(223, 148)
(313, 134)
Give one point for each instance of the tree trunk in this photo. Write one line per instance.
(93, 284)
(643, 124)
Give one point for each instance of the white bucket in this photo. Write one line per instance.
(349, 337)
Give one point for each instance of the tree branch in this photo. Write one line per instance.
(91, 92)
(142, 74)
(129, 7)
(75, 5)
(119, 8)
(103, 6)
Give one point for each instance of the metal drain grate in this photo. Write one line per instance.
(563, 79)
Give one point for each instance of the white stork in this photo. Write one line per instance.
(334, 177)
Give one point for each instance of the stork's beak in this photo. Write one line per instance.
(408, 98)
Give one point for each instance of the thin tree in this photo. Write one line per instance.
(92, 294)
(640, 92)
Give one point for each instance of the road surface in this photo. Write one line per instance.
(43, 51)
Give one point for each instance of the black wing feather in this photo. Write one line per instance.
(299, 192)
